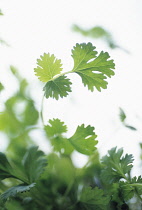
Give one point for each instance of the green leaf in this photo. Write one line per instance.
(95, 197)
(55, 131)
(48, 67)
(5, 167)
(127, 191)
(9, 170)
(116, 166)
(34, 163)
(122, 115)
(57, 88)
(93, 69)
(137, 183)
(84, 140)
(30, 114)
(55, 128)
(130, 127)
(13, 191)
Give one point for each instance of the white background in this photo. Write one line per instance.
(34, 27)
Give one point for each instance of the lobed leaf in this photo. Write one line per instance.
(59, 87)
(13, 191)
(95, 197)
(34, 163)
(84, 140)
(91, 68)
(47, 67)
(5, 167)
(116, 166)
(55, 131)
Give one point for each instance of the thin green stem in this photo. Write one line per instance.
(62, 74)
(41, 112)
(136, 185)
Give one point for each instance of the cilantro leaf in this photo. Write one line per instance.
(55, 131)
(127, 191)
(5, 167)
(48, 67)
(9, 170)
(57, 88)
(55, 128)
(91, 68)
(137, 183)
(13, 191)
(95, 197)
(116, 166)
(34, 163)
(84, 140)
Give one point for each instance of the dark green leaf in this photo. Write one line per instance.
(5, 167)
(116, 166)
(13, 191)
(95, 196)
(59, 87)
(34, 163)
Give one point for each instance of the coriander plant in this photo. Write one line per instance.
(30, 179)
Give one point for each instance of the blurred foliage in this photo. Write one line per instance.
(123, 119)
(1, 12)
(18, 118)
(1, 40)
(98, 32)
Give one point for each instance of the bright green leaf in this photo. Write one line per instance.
(55, 131)
(55, 128)
(47, 67)
(84, 140)
(93, 69)
(57, 88)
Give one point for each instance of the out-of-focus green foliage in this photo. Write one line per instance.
(18, 118)
(1, 87)
(1, 12)
(123, 119)
(1, 40)
(98, 32)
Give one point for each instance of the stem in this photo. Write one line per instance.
(136, 185)
(62, 74)
(41, 112)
